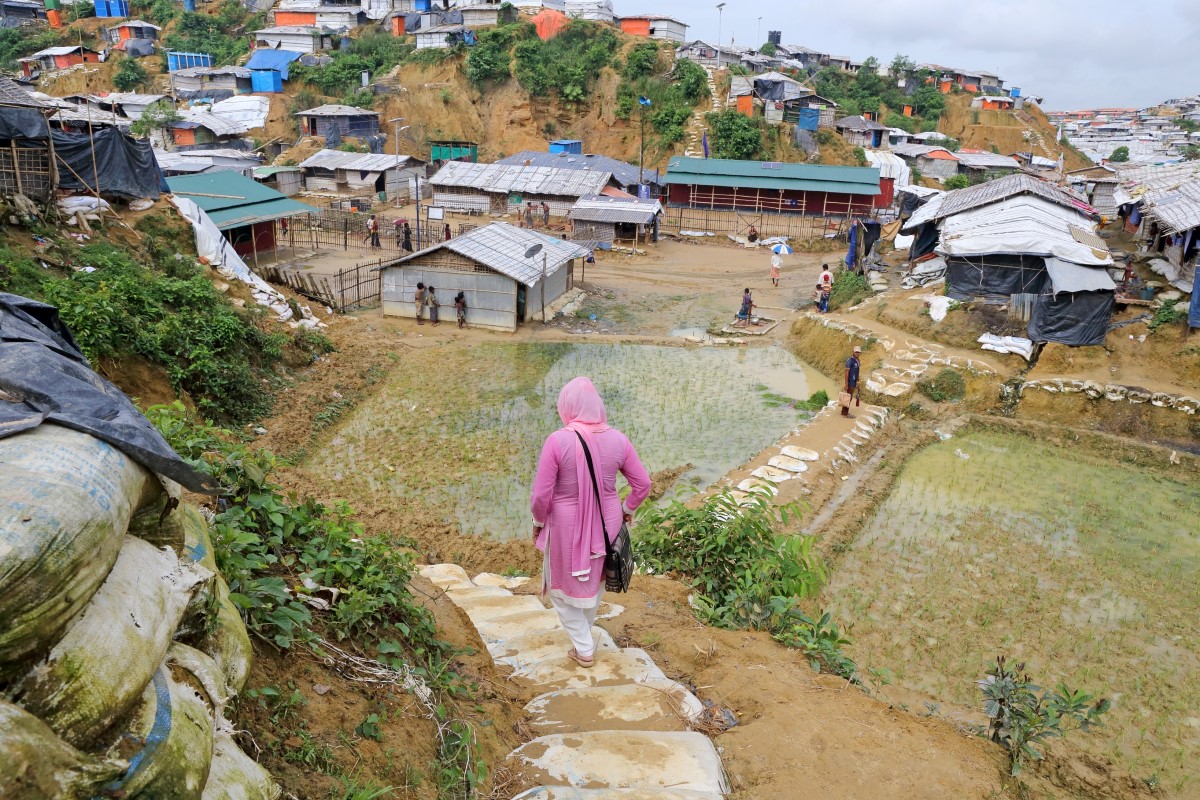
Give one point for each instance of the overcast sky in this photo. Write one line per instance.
(1075, 53)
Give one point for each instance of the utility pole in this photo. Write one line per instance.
(545, 257)
(396, 124)
(720, 12)
(758, 41)
(644, 102)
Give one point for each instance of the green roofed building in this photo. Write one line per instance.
(244, 210)
(758, 186)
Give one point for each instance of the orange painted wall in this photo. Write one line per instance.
(945, 87)
(636, 27)
(397, 26)
(125, 34)
(941, 155)
(745, 105)
(305, 18)
(184, 135)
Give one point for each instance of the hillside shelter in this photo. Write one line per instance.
(15, 13)
(607, 219)
(771, 186)
(443, 37)
(862, 132)
(930, 160)
(242, 209)
(549, 23)
(56, 58)
(296, 38)
(356, 173)
(131, 29)
(503, 287)
(26, 150)
(128, 104)
(980, 165)
(269, 69)
(505, 188)
(285, 180)
(655, 26)
(216, 83)
(341, 120)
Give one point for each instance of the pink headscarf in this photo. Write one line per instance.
(582, 411)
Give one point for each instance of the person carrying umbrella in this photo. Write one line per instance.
(777, 253)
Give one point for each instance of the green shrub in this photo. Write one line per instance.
(948, 385)
(641, 62)
(957, 182)
(1168, 313)
(375, 52)
(222, 35)
(1022, 716)
(129, 75)
(747, 571)
(208, 348)
(848, 289)
(490, 60)
(1120, 155)
(361, 98)
(691, 79)
(733, 135)
(569, 63)
(860, 156)
(160, 12)
(25, 39)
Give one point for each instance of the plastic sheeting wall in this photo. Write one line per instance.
(1078, 319)
(491, 297)
(995, 276)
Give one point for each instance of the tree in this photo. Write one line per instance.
(1120, 155)
(734, 135)
(957, 182)
(158, 116)
(642, 61)
(768, 49)
(129, 75)
(901, 66)
(1191, 152)
(928, 102)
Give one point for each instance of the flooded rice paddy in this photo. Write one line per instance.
(465, 436)
(1081, 567)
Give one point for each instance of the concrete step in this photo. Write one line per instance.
(629, 665)
(650, 706)
(492, 579)
(800, 453)
(772, 473)
(469, 592)
(624, 760)
(787, 463)
(511, 626)
(525, 651)
(571, 793)
(446, 575)
(484, 607)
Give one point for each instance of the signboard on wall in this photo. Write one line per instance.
(435, 212)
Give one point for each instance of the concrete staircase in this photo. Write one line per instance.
(696, 125)
(617, 731)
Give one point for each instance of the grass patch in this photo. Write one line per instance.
(947, 386)
(849, 289)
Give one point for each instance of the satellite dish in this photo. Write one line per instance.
(533, 251)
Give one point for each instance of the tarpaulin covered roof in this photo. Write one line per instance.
(232, 200)
(891, 166)
(600, 208)
(497, 178)
(1068, 277)
(502, 247)
(776, 86)
(362, 162)
(984, 194)
(334, 110)
(64, 50)
(276, 60)
(126, 165)
(1021, 225)
(986, 160)
(772, 175)
(625, 173)
(918, 150)
(217, 123)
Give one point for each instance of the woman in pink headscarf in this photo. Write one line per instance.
(566, 519)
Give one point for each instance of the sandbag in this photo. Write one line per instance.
(186, 532)
(235, 776)
(204, 674)
(227, 640)
(65, 500)
(94, 674)
(35, 763)
(167, 741)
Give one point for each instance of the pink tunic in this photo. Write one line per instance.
(555, 500)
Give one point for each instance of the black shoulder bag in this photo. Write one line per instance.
(618, 553)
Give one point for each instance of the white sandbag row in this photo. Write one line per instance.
(99, 697)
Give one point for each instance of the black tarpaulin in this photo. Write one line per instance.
(126, 165)
(1075, 318)
(46, 379)
(925, 239)
(996, 276)
(139, 48)
(23, 123)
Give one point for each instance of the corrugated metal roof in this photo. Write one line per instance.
(13, 95)
(137, 23)
(132, 98)
(505, 178)
(857, 122)
(1022, 225)
(364, 162)
(961, 200)
(502, 247)
(266, 172)
(217, 123)
(333, 110)
(306, 29)
(193, 72)
(233, 200)
(917, 150)
(64, 50)
(625, 173)
(601, 208)
(652, 17)
(986, 160)
(768, 175)
(1169, 193)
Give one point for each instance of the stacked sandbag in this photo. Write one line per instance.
(119, 644)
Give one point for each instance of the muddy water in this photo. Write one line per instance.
(1082, 568)
(711, 408)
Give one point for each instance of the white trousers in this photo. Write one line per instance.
(578, 623)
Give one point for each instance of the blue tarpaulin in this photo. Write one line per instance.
(1194, 312)
(277, 60)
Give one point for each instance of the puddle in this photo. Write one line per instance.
(1067, 560)
(712, 408)
(692, 333)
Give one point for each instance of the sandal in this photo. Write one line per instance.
(586, 663)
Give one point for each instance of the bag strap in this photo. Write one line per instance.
(596, 489)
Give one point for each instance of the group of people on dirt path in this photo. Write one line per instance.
(403, 233)
(529, 216)
(425, 298)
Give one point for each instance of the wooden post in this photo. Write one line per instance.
(16, 165)
(312, 233)
(254, 244)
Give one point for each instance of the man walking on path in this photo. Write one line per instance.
(850, 384)
(373, 229)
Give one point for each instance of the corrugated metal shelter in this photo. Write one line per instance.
(862, 132)
(210, 82)
(503, 287)
(339, 171)
(932, 161)
(193, 162)
(345, 120)
(244, 210)
(655, 26)
(269, 69)
(604, 218)
(974, 163)
(131, 104)
(597, 10)
(771, 186)
(500, 188)
(297, 38)
(625, 175)
(1167, 198)
(285, 180)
